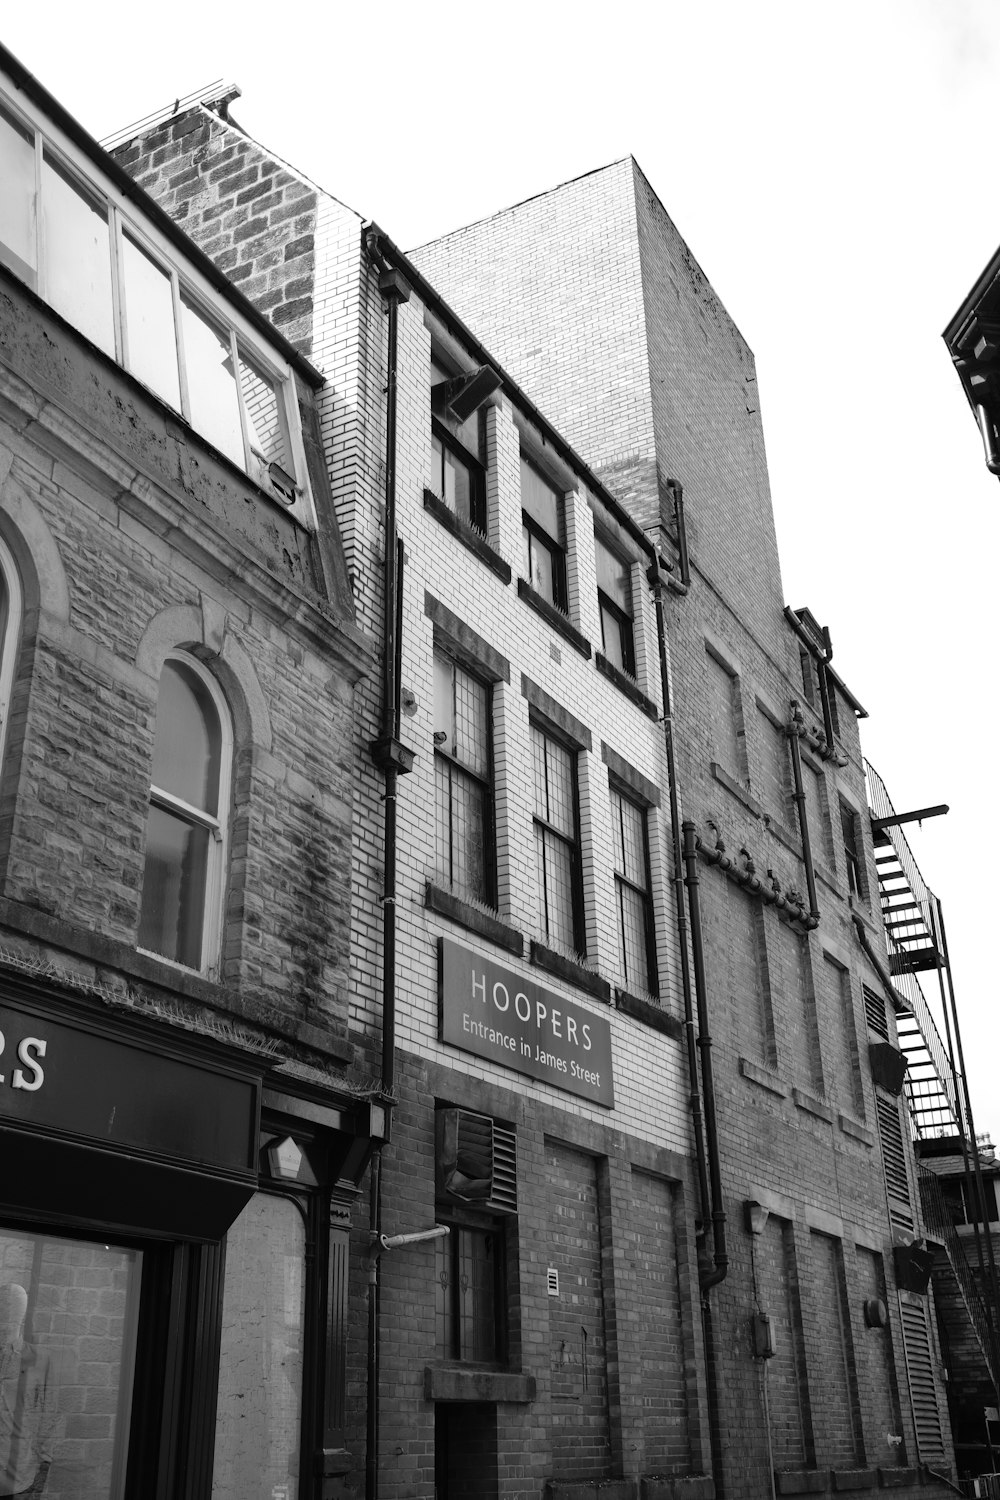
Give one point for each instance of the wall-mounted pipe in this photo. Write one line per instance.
(793, 731)
(991, 447)
(677, 880)
(691, 881)
(391, 758)
(791, 903)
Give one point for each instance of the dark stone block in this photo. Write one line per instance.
(573, 973)
(801, 1481)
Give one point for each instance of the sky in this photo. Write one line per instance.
(832, 169)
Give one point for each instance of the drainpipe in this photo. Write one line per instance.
(677, 880)
(824, 660)
(707, 1278)
(392, 758)
(989, 435)
(793, 732)
(721, 1258)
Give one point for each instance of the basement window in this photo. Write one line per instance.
(72, 237)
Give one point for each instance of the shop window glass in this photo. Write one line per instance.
(77, 254)
(68, 1315)
(260, 1374)
(185, 832)
(17, 212)
(149, 314)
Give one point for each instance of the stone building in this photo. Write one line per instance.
(183, 1129)
(646, 1221)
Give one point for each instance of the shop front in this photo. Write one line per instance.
(174, 1227)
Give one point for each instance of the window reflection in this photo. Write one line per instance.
(208, 357)
(77, 255)
(260, 1374)
(265, 424)
(68, 1312)
(149, 319)
(17, 173)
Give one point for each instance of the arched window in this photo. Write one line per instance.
(10, 622)
(182, 887)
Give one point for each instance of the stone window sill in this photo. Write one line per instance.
(763, 1077)
(451, 1383)
(573, 973)
(653, 1016)
(739, 791)
(626, 685)
(810, 1105)
(438, 898)
(554, 617)
(467, 535)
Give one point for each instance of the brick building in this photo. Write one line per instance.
(616, 948)
(179, 648)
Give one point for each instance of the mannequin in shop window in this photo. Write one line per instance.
(27, 1414)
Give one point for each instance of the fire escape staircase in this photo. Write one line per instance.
(908, 914)
(961, 1310)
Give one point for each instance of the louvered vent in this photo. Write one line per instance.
(918, 1350)
(893, 1154)
(476, 1160)
(875, 1013)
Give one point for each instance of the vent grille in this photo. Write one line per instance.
(890, 1132)
(504, 1193)
(920, 1376)
(875, 1013)
(476, 1160)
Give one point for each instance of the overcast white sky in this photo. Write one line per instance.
(833, 170)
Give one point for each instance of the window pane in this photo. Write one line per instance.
(471, 722)
(186, 758)
(554, 784)
(265, 418)
(457, 485)
(540, 566)
(174, 887)
(632, 928)
(476, 1284)
(149, 312)
(260, 1372)
(461, 833)
(613, 577)
(77, 255)
(556, 885)
(65, 1396)
(611, 639)
(17, 173)
(211, 382)
(542, 502)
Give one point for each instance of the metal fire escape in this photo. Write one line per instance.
(935, 1086)
(912, 918)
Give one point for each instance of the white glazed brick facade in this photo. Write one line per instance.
(649, 1069)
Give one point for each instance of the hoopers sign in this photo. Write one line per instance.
(500, 1015)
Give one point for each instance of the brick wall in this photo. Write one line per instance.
(250, 213)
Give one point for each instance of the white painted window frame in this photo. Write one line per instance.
(9, 639)
(243, 336)
(218, 827)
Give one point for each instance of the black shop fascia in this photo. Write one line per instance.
(147, 1175)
